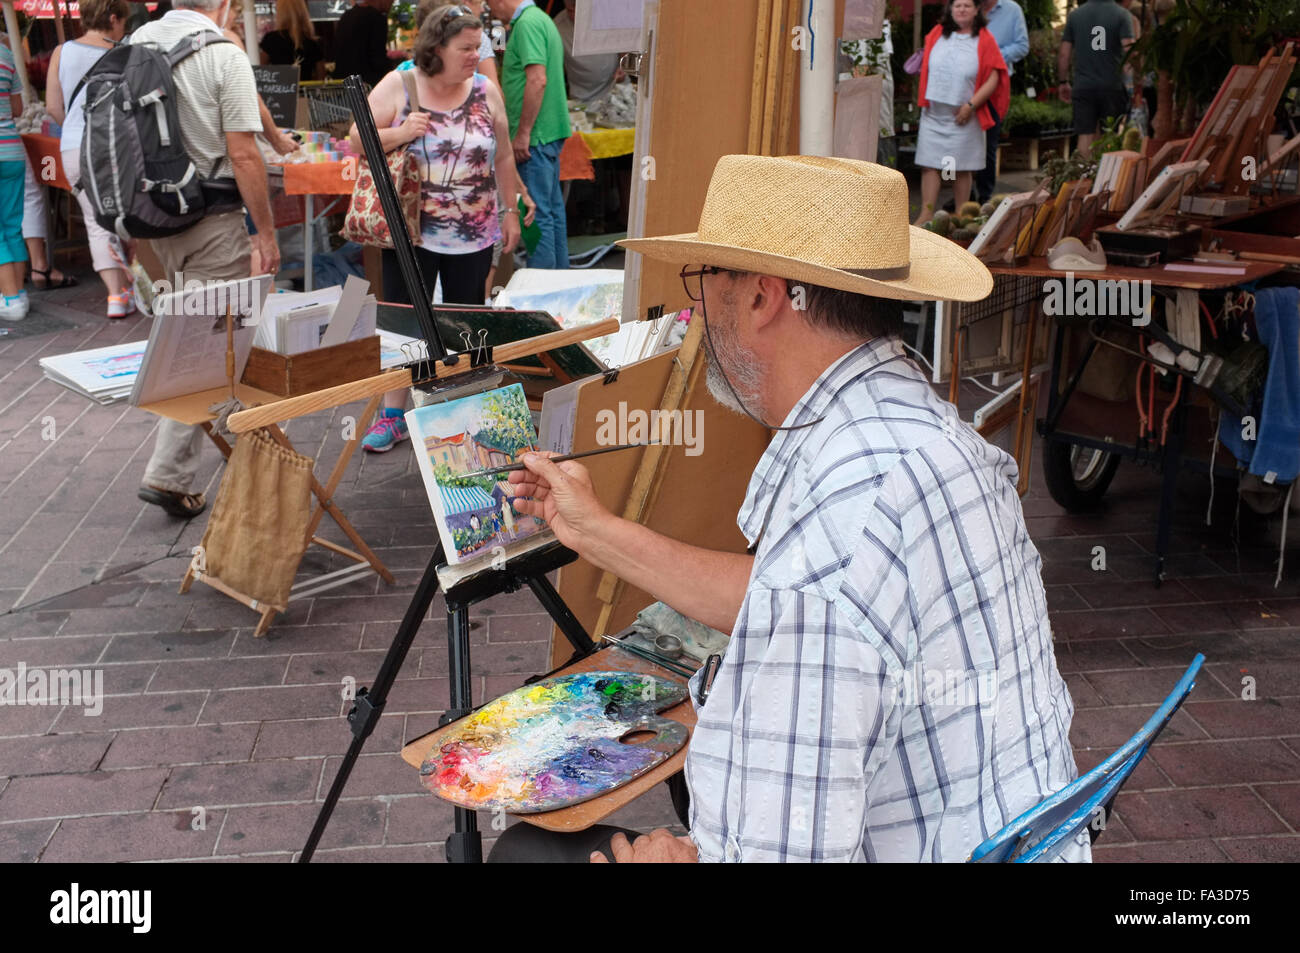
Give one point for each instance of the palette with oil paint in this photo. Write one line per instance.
(558, 742)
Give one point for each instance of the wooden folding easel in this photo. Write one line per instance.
(529, 568)
(691, 498)
(193, 409)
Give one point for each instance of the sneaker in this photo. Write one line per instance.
(14, 307)
(119, 306)
(389, 430)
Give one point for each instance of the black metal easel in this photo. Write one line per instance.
(528, 569)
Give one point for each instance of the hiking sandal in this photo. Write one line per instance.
(184, 505)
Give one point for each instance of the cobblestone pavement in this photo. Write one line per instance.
(200, 714)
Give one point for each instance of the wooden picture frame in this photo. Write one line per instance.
(1162, 195)
(997, 237)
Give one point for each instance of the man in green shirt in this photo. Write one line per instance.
(532, 78)
(1098, 33)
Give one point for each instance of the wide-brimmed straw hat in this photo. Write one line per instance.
(839, 223)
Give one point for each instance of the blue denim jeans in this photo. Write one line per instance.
(541, 175)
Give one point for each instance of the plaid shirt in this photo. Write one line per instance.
(890, 692)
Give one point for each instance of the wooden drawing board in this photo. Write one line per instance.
(698, 499)
(503, 326)
(193, 408)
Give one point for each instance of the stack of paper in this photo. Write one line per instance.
(294, 322)
(104, 374)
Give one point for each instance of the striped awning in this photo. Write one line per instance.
(464, 499)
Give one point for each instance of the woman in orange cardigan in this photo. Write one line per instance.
(962, 73)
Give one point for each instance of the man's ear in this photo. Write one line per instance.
(769, 298)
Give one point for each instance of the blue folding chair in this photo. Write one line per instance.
(1042, 832)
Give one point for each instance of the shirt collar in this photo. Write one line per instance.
(815, 403)
(191, 16)
(520, 9)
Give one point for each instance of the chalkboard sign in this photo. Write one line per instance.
(279, 88)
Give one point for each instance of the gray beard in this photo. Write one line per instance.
(742, 371)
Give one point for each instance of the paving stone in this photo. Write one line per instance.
(1168, 852)
(223, 785)
(1263, 717)
(426, 854)
(162, 646)
(1200, 813)
(1107, 624)
(135, 711)
(1111, 727)
(69, 795)
(1283, 798)
(420, 819)
(261, 704)
(63, 652)
(354, 823)
(375, 773)
(1148, 686)
(157, 835)
(323, 736)
(1092, 655)
(217, 673)
(191, 744)
(1226, 762)
(23, 842)
(52, 754)
(1262, 850)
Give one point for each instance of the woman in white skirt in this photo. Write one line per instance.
(962, 70)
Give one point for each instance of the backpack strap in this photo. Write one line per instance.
(190, 44)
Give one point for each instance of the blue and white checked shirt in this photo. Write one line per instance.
(890, 691)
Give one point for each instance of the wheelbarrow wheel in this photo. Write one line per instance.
(1078, 477)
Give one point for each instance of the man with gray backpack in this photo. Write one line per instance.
(190, 192)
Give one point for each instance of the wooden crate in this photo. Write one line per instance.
(1020, 154)
(292, 374)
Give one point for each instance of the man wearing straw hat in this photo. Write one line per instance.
(890, 691)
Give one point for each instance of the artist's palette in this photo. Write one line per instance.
(558, 742)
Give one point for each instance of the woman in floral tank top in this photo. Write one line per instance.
(454, 130)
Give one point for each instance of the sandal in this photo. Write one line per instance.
(185, 505)
(67, 282)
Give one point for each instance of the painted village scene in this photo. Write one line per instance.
(476, 514)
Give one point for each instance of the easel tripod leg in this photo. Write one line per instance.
(370, 702)
(465, 844)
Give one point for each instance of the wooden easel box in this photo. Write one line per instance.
(288, 375)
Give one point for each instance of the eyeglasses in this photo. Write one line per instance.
(693, 281)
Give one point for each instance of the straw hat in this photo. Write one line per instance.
(839, 223)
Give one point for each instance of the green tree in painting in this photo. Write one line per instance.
(445, 477)
(507, 423)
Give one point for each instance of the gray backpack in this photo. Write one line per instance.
(140, 180)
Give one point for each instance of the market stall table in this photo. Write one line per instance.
(310, 179)
(1060, 397)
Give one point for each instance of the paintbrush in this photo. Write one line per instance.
(493, 471)
(650, 656)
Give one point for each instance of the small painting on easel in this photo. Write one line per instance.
(476, 515)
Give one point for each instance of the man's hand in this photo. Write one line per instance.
(520, 146)
(657, 847)
(266, 254)
(561, 494)
(1063, 91)
(282, 144)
